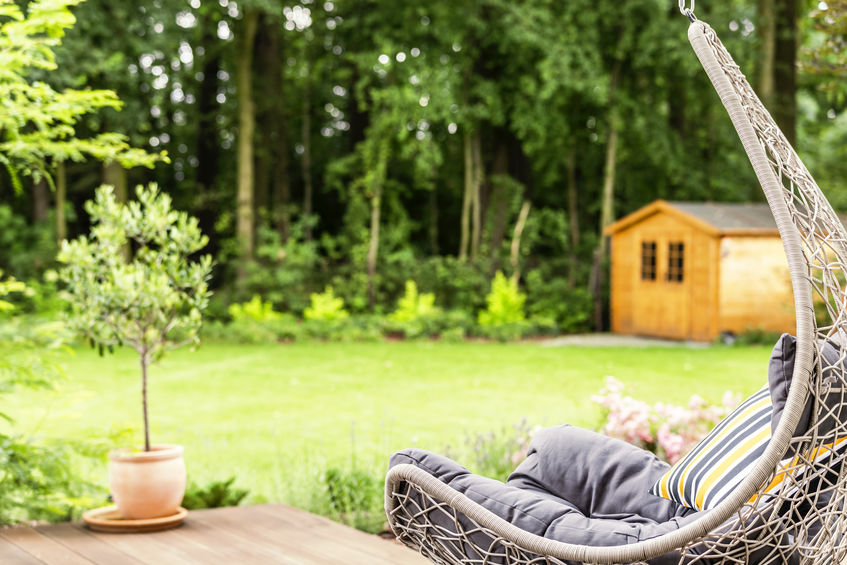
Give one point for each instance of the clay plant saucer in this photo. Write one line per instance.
(108, 519)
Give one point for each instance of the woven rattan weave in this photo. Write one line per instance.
(804, 522)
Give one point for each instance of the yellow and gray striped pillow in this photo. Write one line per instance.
(716, 465)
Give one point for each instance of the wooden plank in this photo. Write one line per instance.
(78, 539)
(364, 543)
(11, 554)
(42, 547)
(312, 538)
(148, 548)
(297, 540)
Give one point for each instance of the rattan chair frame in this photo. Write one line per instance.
(804, 522)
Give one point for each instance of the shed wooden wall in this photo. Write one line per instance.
(755, 286)
(685, 310)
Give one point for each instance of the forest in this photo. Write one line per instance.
(361, 144)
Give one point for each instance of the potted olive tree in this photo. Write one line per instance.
(133, 282)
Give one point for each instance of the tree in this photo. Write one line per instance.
(152, 302)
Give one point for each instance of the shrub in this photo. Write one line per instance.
(355, 498)
(667, 430)
(216, 494)
(254, 310)
(40, 479)
(326, 307)
(570, 309)
(496, 454)
(416, 314)
(505, 303)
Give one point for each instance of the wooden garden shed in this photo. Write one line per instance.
(694, 270)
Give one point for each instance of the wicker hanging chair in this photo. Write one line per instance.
(803, 524)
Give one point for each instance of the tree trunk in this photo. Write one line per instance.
(607, 212)
(307, 150)
(115, 175)
(433, 220)
(245, 224)
(499, 203)
(514, 256)
(40, 200)
(207, 131)
(785, 68)
(464, 237)
(766, 26)
(144, 363)
(61, 199)
(476, 195)
(573, 218)
(377, 180)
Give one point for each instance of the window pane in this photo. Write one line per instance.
(676, 261)
(648, 260)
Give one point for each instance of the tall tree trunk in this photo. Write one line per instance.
(207, 107)
(766, 27)
(61, 199)
(115, 175)
(40, 200)
(306, 135)
(245, 224)
(607, 211)
(476, 195)
(499, 203)
(785, 68)
(514, 256)
(145, 362)
(433, 220)
(467, 198)
(573, 218)
(377, 180)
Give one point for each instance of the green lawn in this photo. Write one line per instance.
(276, 415)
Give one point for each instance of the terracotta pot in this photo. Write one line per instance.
(147, 484)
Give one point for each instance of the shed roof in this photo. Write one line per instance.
(718, 218)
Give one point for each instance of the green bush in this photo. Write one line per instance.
(40, 479)
(255, 310)
(355, 498)
(551, 298)
(504, 318)
(326, 307)
(217, 494)
(459, 285)
(415, 316)
(495, 454)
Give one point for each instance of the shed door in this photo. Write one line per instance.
(662, 297)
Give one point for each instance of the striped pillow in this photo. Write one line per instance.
(716, 465)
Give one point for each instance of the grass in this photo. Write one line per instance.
(275, 416)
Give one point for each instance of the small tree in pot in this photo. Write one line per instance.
(132, 282)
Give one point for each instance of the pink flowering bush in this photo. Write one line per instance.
(667, 430)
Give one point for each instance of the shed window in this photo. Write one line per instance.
(648, 260)
(676, 258)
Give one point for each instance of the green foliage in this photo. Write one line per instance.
(152, 302)
(132, 282)
(217, 494)
(38, 478)
(551, 298)
(496, 454)
(38, 123)
(27, 249)
(504, 317)
(326, 307)
(413, 305)
(254, 310)
(355, 497)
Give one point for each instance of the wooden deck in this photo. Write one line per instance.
(227, 536)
